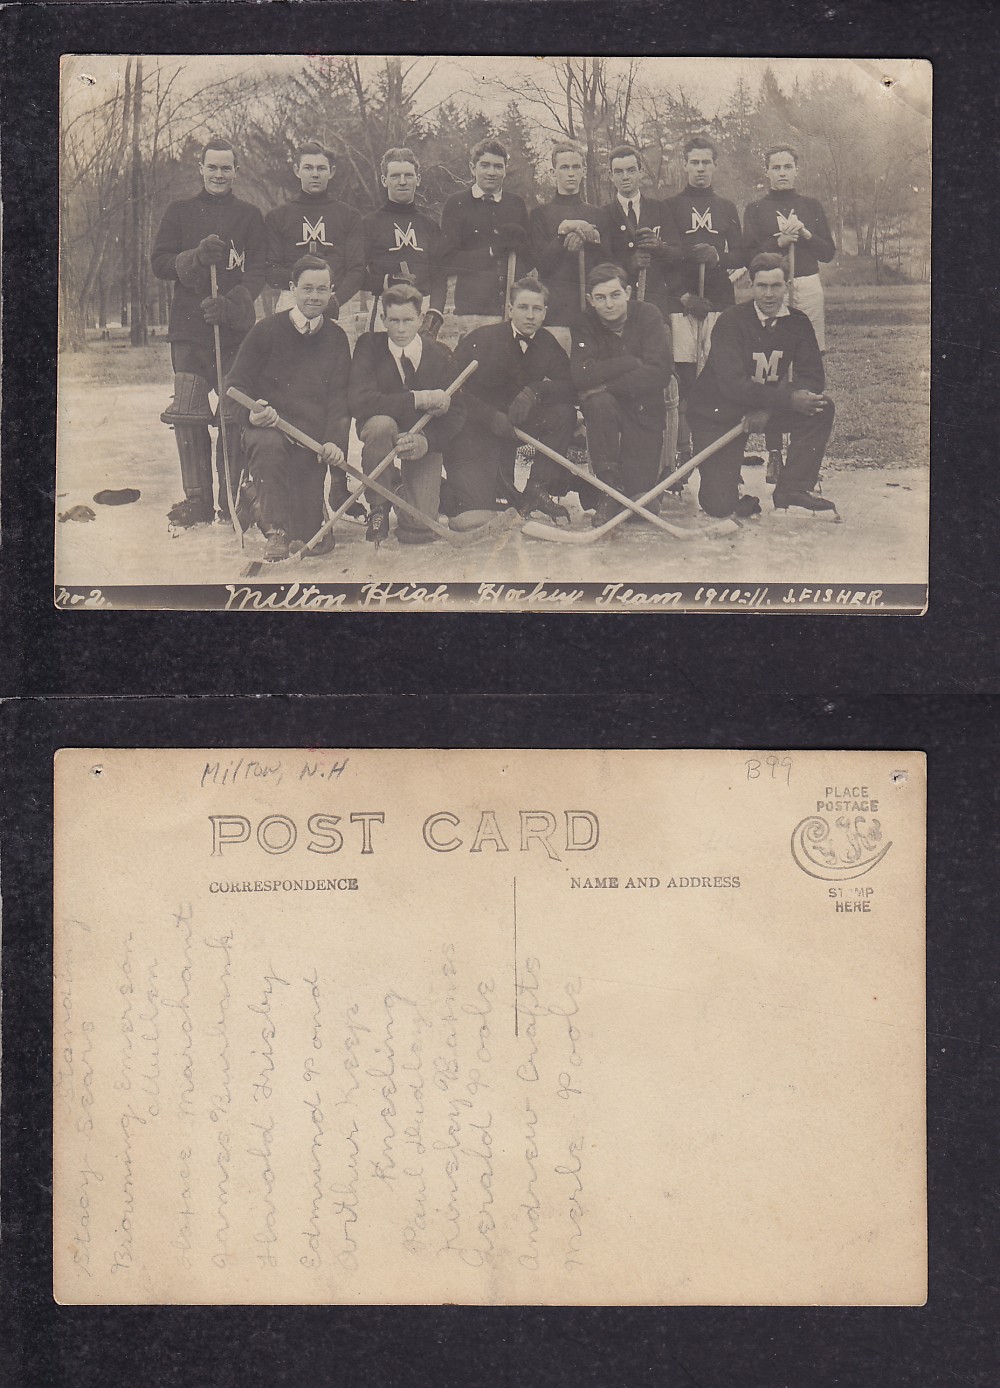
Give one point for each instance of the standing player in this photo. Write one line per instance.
(315, 223)
(523, 381)
(786, 218)
(396, 376)
(401, 239)
(621, 364)
(706, 228)
(636, 225)
(749, 372)
(213, 228)
(295, 365)
(478, 229)
(560, 229)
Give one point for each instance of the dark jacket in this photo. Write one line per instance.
(634, 366)
(240, 276)
(747, 367)
(504, 370)
(400, 233)
(316, 224)
(558, 268)
(303, 377)
(473, 248)
(698, 216)
(761, 229)
(621, 245)
(376, 387)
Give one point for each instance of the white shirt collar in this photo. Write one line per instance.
(624, 202)
(520, 337)
(478, 193)
(413, 353)
(782, 313)
(305, 325)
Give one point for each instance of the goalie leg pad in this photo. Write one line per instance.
(194, 447)
(190, 403)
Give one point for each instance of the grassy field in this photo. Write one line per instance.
(877, 362)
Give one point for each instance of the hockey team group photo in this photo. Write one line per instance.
(514, 330)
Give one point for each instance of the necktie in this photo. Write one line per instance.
(522, 342)
(409, 370)
(769, 323)
(630, 216)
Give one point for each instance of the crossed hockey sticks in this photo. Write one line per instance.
(386, 462)
(220, 384)
(536, 530)
(506, 520)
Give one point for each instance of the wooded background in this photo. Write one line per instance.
(130, 144)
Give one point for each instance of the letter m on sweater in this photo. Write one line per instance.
(766, 366)
(701, 221)
(314, 233)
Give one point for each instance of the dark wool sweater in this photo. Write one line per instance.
(747, 367)
(558, 268)
(471, 248)
(621, 244)
(634, 366)
(184, 224)
(303, 377)
(376, 387)
(698, 216)
(504, 370)
(400, 233)
(316, 224)
(761, 229)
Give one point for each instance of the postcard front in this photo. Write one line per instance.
(489, 1027)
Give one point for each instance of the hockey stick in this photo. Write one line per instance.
(504, 521)
(221, 387)
(386, 462)
(636, 506)
(699, 330)
(511, 263)
(640, 292)
(791, 274)
(581, 270)
(537, 531)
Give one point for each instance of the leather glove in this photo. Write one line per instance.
(432, 323)
(573, 242)
(697, 306)
(755, 421)
(211, 250)
(511, 236)
(642, 260)
(702, 254)
(233, 310)
(501, 426)
(647, 239)
(521, 406)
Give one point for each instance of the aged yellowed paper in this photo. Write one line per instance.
(489, 1027)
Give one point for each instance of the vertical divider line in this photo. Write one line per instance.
(515, 958)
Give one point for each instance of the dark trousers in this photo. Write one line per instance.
(289, 483)
(622, 451)
(720, 474)
(478, 463)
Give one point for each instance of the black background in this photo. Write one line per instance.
(509, 680)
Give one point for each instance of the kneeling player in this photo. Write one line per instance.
(764, 363)
(622, 363)
(523, 381)
(395, 377)
(295, 365)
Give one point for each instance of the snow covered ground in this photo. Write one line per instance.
(110, 436)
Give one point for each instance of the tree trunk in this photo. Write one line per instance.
(102, 301)
(139, 335)
(125, 241)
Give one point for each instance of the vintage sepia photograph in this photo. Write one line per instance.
(419, 333)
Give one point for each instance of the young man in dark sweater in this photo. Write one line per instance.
(478, 228)
(396, 376)
(523, 381)
(315, 223)
(563, 228)
(213, 228)
(764, 366)
(621, 364)
(637, 227)
(782, 219)
(401, 239)
(295, 365)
